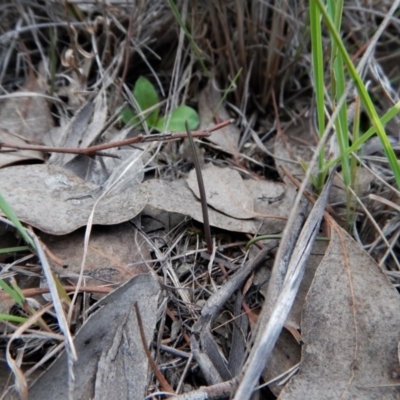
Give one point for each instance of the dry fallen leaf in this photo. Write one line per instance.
(27, 117)
(295, 145)
(225, 191)
(350, 329)
(115, 254)
(17, 156)
(23, 120)
(210, 111)
(176, 197)
(271, 198)
(56, 201)
(112, 363)
(87, 136)
(287, 352)
(70, 134)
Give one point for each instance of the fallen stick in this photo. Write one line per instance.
(94, 150)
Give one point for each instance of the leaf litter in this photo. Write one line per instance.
(23, 120)
(56, 201)
(176, 197)
(116, 253)
(210, 110)
(198, 327)
(225, 191)
(350, 327)
(110, 348)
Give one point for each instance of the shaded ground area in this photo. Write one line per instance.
(123, 261)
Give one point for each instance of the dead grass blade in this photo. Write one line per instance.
(268, 335)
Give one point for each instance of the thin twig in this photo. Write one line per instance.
(93, 150)
(203, 198)
(160, 377)
(68, 288)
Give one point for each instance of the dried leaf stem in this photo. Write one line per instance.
(94, 150)
(200, 182)
(160, 377)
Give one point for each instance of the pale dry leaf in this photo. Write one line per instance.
(24, 120)
(176, 197)
(287, 352)
(210, 112)
(112, 363)
(271, 198)
(350, 329)
(103, 171)
(295, 145)
(27, 118)
(17, 156)
(56, 201)
(83, 129)
(132, 178)
(71, 134)
(115, 254)
(282, 289)
(225, 191)
(75, 90)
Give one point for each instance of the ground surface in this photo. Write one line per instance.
(188, 307)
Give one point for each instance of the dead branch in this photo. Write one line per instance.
(95, 150)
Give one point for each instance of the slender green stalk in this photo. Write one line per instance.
(357, 143)
(8, 250)
(271, 237)
(15, 295)
(12, 318)
(9, 213)
(352, 201)
(364, 95)
(338, 89)
(230, 87)
(193, 44)
(319, 82)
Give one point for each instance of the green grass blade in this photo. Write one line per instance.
(12, 318)
(318, 76)
(8, 250)
(338, 89)
(388, 116)
(193, 45)
(364, 95)
(230, 87)
(9, 213)
(15, 295)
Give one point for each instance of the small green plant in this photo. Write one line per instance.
(13, 289)
(341, 71)
(147, 101)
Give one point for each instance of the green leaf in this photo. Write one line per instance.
(177, 120)
(128, 117)
(147, 97)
